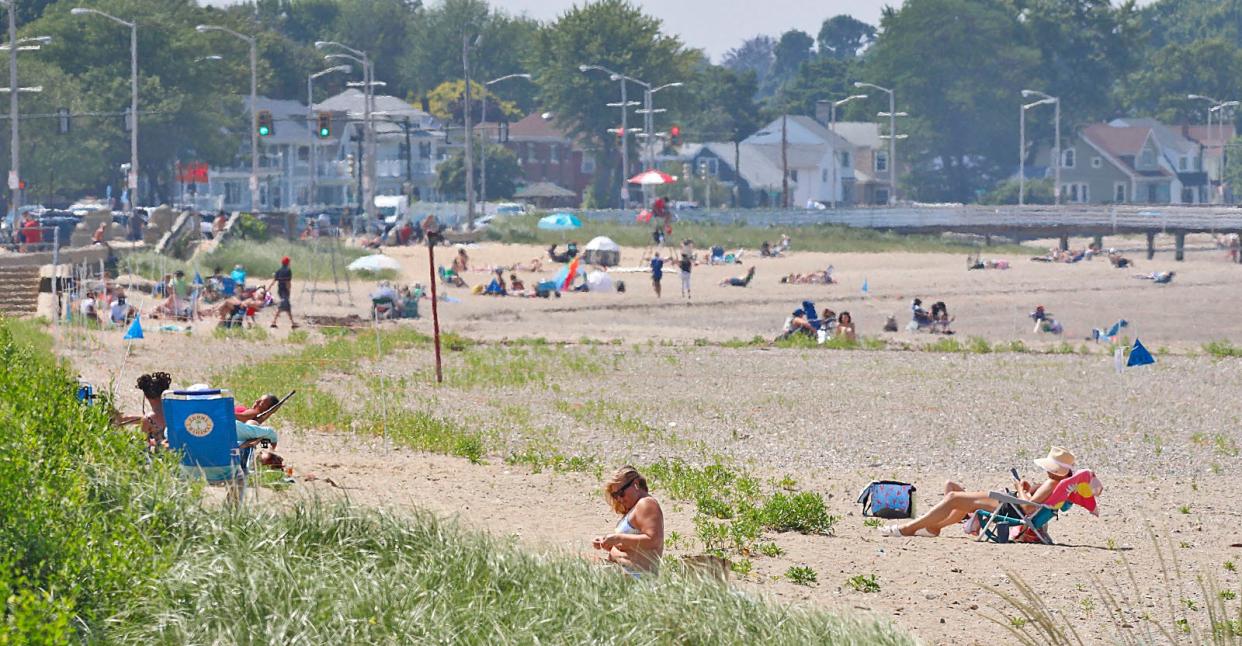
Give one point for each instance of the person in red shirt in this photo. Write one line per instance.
(31, 232)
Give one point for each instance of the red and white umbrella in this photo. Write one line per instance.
(652, 178)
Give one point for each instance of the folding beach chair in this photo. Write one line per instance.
(203, 428)
(1011, 523)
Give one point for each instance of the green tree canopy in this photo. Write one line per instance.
(844, 36)
(503, 173)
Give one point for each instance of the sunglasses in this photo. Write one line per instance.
(621, 490)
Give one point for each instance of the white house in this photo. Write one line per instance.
(819, 163)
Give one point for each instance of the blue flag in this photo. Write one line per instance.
(198, 278)
(1139, 356)
(135, 329)
(865, 288)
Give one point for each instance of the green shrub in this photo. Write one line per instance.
(801, 575)
(803, 512)
(249, 227)
(863, 583)
(1221, 349)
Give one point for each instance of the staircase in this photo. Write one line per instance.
(19, 291)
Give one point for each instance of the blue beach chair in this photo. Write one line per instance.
(203, 428)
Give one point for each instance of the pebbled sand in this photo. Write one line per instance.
(1160, 438)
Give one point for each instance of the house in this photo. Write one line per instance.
(1213, 139)
(1137, 161)
(285, 157)
(819, 162)
(548, 155)
(871, 162)
(757, 184)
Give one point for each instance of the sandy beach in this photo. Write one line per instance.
(642, 379)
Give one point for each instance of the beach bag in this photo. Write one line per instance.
(545, 288)
(887, 499)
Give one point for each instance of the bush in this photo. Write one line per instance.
(801, 575)
(249, 227)
(84, 516)
(803, 512)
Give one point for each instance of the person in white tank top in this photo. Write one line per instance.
(637, 542)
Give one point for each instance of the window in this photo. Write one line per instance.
(1097, 162)
(303, 153)
(1148, 158)
(793, 175)
(1183, 163)
(708, 166)
(1188, 195)
(1068, 158)
(881, 162)
(1198, 163)
(1119, 192)
(554, 154)
(881, 196)
(232, 193)
(845, 159)
(1076, 193)
(824, 176)
(588, 165)
(424, 150)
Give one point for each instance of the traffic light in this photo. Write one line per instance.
(62, 120)
(325, 125)
(264, 123)
(674, 136)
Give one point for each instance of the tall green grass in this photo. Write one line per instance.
(341, 575)
(261, 260)
(820, 237)
(82, 514)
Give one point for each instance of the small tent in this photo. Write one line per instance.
(603, 251)
(599, 281)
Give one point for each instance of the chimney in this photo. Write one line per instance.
(823, 111)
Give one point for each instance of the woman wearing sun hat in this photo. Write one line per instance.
(958, 504)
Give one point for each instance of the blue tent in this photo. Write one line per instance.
(560, 222)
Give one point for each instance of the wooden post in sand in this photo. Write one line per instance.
(1151, 245)
(432, 232)
(1179, 240)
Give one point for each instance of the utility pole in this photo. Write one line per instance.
(465, 63)
(784, 161)
(1021, 155)
(15, 157)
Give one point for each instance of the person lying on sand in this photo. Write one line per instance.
(1158, 277)
(739, 281)
(1118, 261)
(813, 278)
(637, 543)
(958, 504)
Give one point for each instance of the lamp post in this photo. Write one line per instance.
(368, 99)
(310, 119)
(483, 152)
(15, 158)
(132, 180)
(649, 112)
(1056, 145)
(832, 120)
(254, 99)
(892, 136)
(1022, 147)
(625, 108)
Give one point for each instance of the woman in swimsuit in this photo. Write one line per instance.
(637, 543)
(152, 386)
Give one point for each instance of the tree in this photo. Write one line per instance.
(1184, 21)
(503, 173)
(819, 79)
(844, 36)
(1211, 67)
(753, 55)
(1086, 47)
(617, 35)
(958, 67)
(794, 48)
(445, 102)
(722, 105)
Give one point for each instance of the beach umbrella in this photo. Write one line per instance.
(560, 222)
(374, 263)
(565, 277)
(652, 178)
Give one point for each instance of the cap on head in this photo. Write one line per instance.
(285, 261)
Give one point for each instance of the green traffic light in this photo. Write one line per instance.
(324, 133)
(264, 131)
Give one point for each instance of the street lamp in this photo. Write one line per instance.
(368, 129)
(649, 111)
(892, 136)
(1022, 147)
(15, 46)
(625, 152)
(1056, 146)
(832, 121)
(483, 116)
(254, 99)
(310, 119)
(132, 179)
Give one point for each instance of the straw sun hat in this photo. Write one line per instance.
(1059, 461)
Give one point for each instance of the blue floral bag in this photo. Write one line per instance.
(887, 499)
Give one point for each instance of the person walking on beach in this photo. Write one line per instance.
(657, 273)
(283, 279)
(685, 264)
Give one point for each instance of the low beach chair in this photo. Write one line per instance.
(1011, 523)
(203, 428)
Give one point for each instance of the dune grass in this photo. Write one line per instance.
(260, 259)
(336, 574)
(821, 237)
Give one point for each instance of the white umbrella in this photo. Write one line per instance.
(598, 281)
(375, 262)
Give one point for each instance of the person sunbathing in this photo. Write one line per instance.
(797, 323)
(940, 318)
(1158, 277)
(739, 281)
(637, 542)
(958, 504)
(516, 284)
(255, 411)
(535, 265)
(845, 327)
(1118, 261)
(153, 423)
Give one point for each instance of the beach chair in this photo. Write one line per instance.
(718, 256)
(203, 428)
(383, 308)
(1011, 523)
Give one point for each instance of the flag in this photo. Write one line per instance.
(865, 288)
(198, 278)
(571, 271)
(1139, 356)
(135, 329)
